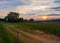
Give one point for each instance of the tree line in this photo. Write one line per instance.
(14, 17)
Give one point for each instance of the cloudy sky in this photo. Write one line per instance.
(29, 8)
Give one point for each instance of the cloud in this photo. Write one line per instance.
(57, 1)
(55, 8)
(12, 3)
(34, 6)
(21, 2)
(30, 9)
(41, 2)
(29, 6)
(4, 2)
(27, 2)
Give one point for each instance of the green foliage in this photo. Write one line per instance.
(6, 36)
(12, 16)
(52, 27)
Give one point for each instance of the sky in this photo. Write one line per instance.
(30, 8)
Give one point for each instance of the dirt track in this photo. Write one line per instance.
(38, 37)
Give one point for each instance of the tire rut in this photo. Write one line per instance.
(23, 37)
(30, 38)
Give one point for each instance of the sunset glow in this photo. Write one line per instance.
(29, 8)
(44, 17)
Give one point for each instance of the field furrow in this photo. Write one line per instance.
(31, 38)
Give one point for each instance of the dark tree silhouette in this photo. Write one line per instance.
(25, 20)
(31, 20)
(1, 19)
(20, 19)
(6, 18)
(12, 16)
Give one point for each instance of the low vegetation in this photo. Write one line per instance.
(52, 27)
(49, 27)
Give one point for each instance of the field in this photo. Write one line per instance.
(30, 32)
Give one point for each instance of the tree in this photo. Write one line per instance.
(1, 19)
(20, 19)
(25, 20)
(6, 18)
(31, 20)
(12, 16)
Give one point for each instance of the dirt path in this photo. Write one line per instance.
(33, 38)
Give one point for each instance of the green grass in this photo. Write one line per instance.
(52, 27)
(48, 27)
(6, 36)
(3, 34)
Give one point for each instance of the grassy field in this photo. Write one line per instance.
(5, 35)
(52, 27)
